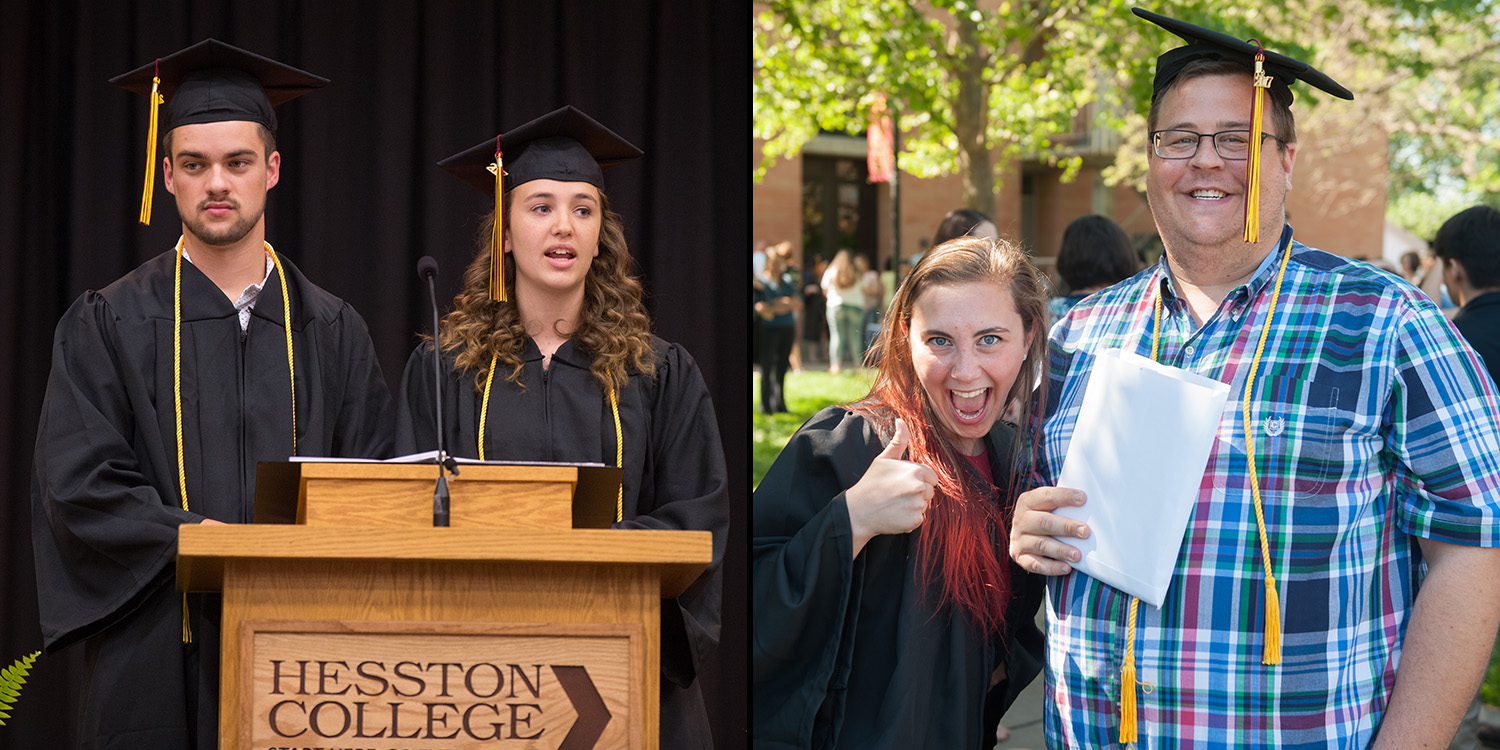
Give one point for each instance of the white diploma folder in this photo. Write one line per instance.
(1139, 448)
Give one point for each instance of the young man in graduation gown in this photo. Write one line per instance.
(1338, 584)
(167, 387)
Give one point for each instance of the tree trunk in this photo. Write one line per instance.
(971, 120)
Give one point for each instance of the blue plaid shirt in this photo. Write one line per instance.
(1374, 424)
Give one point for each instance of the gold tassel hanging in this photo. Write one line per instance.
(1272, 652)
(497, 240)
(1252, 185)
(1127, 680)
(146, 190)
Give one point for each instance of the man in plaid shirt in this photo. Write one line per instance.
(1363, 614)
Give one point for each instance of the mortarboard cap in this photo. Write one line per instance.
(564, 144)
(1268, 69)
(211, 82)
(1206, 43)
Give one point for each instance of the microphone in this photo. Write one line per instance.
(427, 269)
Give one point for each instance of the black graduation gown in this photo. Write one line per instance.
(851, 653)
(674, 474)
(105, 500)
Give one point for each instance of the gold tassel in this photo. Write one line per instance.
(1252, 185)
(146, 190)
(497, 240)
(187, 630)
(1127, 679)
(1272, 653)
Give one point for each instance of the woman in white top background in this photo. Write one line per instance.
(846, 312)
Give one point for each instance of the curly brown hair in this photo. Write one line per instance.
(613, 325)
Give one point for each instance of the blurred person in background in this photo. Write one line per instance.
(874, 289)
(960, 222)
(776, 302)
(1469, 247)
(814, 313)
(846, 312)
(1095, 253)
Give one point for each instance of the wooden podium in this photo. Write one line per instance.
(364, 626)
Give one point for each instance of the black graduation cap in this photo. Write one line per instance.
(1216, 45)
(564, 144)
(212, 82)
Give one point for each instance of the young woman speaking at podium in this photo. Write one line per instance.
(548, 355)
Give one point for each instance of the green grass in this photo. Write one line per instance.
(806, 392)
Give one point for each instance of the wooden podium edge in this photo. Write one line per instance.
(680, 556)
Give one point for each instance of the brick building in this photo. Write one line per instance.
(821, 200)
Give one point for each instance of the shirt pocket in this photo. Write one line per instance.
(1298, 429)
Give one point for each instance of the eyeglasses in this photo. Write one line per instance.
(1232, 145)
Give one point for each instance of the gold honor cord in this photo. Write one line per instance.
(1271, 653)
(286, 318)
(286, 312)
(187, 630)
(614, 407)
(484, 406)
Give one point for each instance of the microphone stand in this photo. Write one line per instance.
(445, 463)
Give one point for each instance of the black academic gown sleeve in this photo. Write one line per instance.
(850, 652)
(106, 501)
(105, 526)
(674, 474)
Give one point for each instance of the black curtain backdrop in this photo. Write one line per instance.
(360, 200)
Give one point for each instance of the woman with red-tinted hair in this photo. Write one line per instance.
(887, 613)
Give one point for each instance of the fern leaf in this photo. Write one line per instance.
(11, 680)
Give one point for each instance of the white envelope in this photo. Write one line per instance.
(1139, 448)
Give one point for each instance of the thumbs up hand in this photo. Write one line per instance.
(892, 496)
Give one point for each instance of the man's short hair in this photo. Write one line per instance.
(1472, 237)
(1279, 113)
(267, 139)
